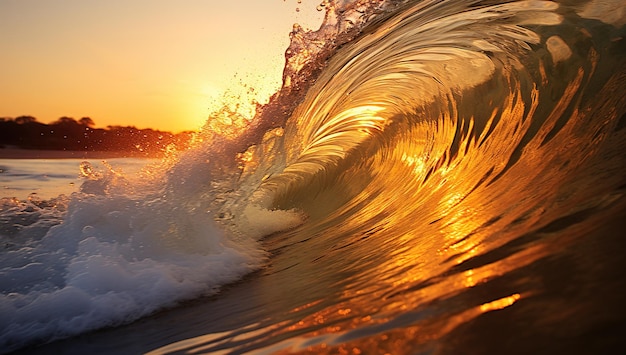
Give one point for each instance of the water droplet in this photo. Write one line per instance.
(87, 171)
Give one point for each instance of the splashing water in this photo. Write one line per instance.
(433, 177)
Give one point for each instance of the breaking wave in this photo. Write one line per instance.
(417, 152)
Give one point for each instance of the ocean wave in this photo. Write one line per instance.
(418, 153)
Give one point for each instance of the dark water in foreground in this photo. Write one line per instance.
(452, 182)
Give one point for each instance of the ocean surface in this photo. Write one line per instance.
(45, 179)
(434, 177)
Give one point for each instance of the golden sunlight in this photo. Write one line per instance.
(163, 67)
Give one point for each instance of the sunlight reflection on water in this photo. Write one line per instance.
(48, 178)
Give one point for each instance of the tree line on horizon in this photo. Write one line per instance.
(66, 133)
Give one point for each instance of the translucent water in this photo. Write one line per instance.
(434, 177)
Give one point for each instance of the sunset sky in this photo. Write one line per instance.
(146, 63)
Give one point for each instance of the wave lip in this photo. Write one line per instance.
(451, 144)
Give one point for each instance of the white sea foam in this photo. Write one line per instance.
(257, 221)
(123, 249)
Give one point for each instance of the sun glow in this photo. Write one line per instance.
(199, 104)
(164, 66)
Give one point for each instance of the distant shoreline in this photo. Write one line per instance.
(17, 153)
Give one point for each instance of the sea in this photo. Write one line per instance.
(433, 177)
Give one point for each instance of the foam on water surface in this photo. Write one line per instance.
(419, 197)
(124, 247)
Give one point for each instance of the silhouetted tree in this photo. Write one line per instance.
(65, 121)
(68, 134)
(86, 121)
(25, 119)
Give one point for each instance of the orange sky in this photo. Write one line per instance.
(148, 63)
